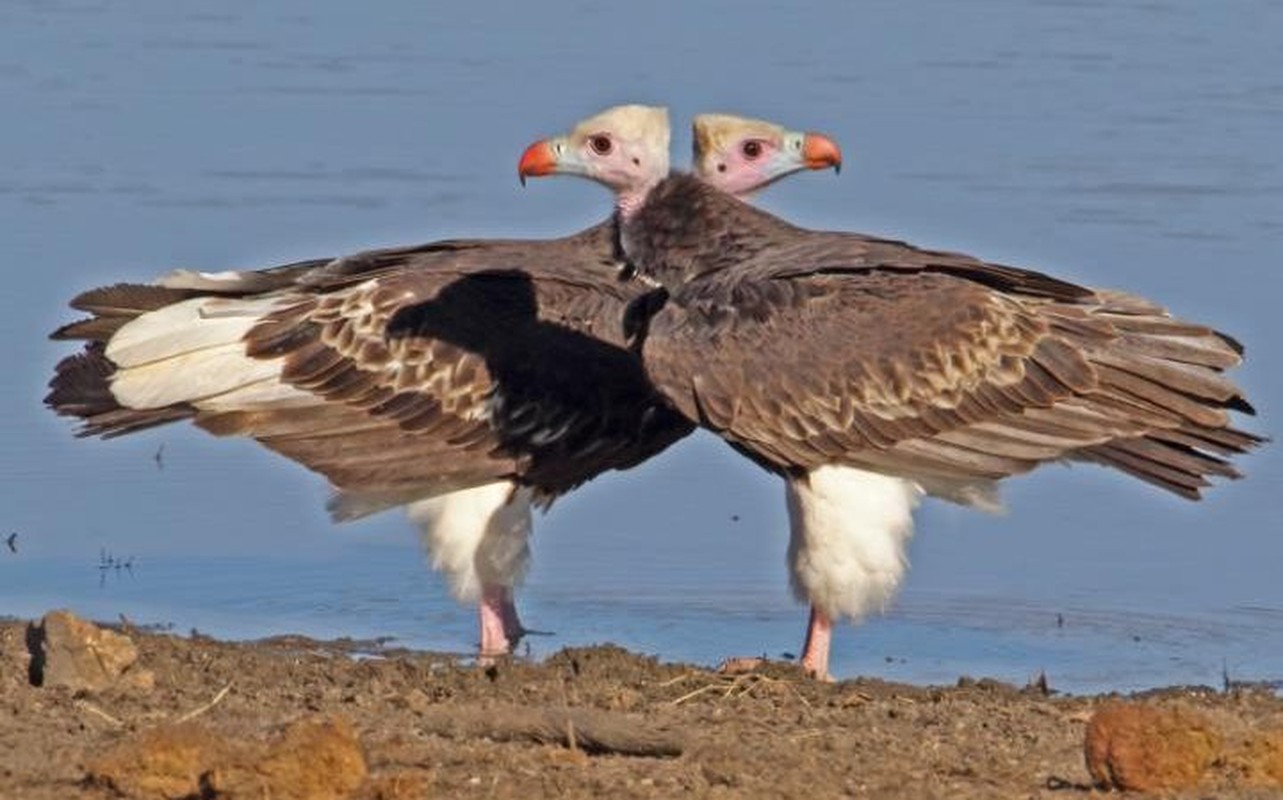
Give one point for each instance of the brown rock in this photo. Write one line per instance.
(161, 762)
(313, 760)
(68, 651)
(1138, 747)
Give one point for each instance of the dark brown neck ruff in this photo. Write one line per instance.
(687, 229)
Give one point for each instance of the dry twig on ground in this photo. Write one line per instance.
(595, 732)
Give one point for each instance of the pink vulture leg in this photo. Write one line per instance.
(501, 628)
(815, 653)
(495, 607)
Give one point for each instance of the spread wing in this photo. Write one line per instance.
(844, 349)
(396, 373)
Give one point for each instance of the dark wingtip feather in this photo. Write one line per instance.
(128, 299)
(1239, 403)
(95, 329)
(1234, 344)
(81, 388)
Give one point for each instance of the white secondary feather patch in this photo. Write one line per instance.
(477, 536)
(191, 377)
(186, 326)
(191, 351)
(848, 532)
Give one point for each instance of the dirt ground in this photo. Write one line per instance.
(292, 717)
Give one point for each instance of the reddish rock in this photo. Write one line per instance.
(311, 760)
(162, 762)
(1137, 747)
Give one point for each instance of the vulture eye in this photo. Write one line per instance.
(751, 149)
(600, 144)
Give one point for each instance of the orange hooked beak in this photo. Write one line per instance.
(821, 152)
(537, 161)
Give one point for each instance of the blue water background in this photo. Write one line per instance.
(1136, 145)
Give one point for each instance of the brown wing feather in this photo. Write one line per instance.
(419, 369)
(804, 349)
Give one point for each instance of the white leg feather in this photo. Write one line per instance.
(478, 537)
(848, 532)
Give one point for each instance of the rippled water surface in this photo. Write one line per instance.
(1130, 144)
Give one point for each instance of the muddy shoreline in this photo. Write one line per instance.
(585, 722)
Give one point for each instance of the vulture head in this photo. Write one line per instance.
(740, 155)
(624, 148)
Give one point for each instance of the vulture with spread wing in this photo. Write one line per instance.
(462, 379)
(866, 372)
